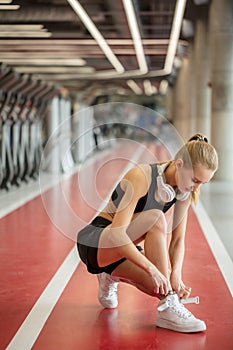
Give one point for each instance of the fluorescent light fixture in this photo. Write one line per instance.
(21, 27)
(134, 87)
(172, 46)
(32, 34)
(163, 87)
(148, 87)
(9, 7)
(175, 32)
(96, 35)
(5, 2)
(71, 70)
(154, 89)
(133, 26)
(111, 74)
(58, 76)
(24, 30)
(44, 62)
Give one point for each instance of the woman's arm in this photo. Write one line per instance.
(177, 248)
(135, 185)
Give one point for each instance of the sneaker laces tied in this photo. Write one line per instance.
(110, 286)
(176, 306)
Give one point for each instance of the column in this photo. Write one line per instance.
(169, 103)
(67, 161)
(221, 42)
(51, 153)
(202, 77)
(182, 98)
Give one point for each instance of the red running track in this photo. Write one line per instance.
(32, 250)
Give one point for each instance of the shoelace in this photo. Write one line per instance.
(177, 306)
(180, 310)
(110, 286)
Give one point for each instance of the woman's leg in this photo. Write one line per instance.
(150, 226)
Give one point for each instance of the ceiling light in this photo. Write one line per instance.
(175, 33)
(58, 76)
(172, 46)
(96, 35)
(44, 62)
(134, 87)
(13, 33)
(154, 90)
(9, 7)
(111, 74)
(163, 87)
(149, 88)
(52, 70)
(133, 26)
(21, 27)
(5, 5)
(23, 30)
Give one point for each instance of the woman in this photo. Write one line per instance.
(136, 213)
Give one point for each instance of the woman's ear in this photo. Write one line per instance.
(179, 163)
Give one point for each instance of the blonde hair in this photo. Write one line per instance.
(198, 151)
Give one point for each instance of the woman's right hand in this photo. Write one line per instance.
(160, 282)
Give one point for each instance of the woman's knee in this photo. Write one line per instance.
(158, 221)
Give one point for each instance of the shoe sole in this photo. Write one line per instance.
(174, 327)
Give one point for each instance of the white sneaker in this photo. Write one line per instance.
(173, 315)
(107, 294)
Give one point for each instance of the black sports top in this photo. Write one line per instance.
(148, 201)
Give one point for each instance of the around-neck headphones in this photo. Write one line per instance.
(166, 192)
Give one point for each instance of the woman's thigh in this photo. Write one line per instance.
(141, 223)
(145, 221)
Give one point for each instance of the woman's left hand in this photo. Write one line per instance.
(179, 287)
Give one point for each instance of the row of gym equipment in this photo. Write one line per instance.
(23, 104)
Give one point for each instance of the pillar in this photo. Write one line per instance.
(182, 99)
(221, 44)
(202, 77)
(51, 153)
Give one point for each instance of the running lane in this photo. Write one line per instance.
(79, 322)
(32, 248)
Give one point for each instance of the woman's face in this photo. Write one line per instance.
(190, 179)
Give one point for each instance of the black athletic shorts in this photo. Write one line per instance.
(87, 243)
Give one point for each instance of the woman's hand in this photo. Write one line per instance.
(178, 286)
(161, 283)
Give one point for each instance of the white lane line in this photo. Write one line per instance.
(33, 324)
(219, 251)
(30, 329)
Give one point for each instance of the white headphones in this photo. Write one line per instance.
(166, 192)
